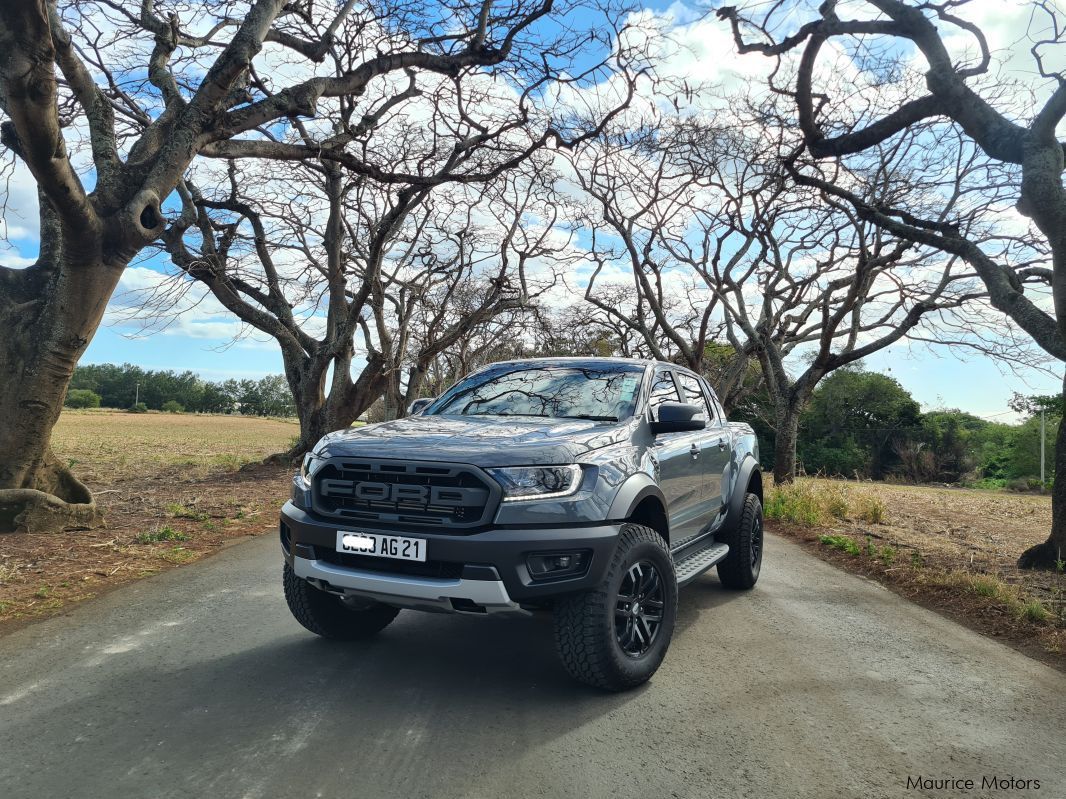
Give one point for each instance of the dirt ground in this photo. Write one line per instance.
(172, 489)
(956, 550)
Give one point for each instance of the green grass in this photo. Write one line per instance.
(844, 543)
(165, 533)
(177, 555)
(1034, 611)
(985, 586)
(794, 503)
(179, 511)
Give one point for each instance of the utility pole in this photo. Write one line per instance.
(137, 398)
(1042, 483)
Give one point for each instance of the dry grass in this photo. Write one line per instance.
(104, 445)
(954, 549)
(172, 491)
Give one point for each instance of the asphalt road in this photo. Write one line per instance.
(197, 683)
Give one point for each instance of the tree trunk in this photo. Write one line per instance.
(321, 413)
(1045, 555)
(49, 313)
(785, 443)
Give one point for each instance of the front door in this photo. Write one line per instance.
(715, 450)
(680, 466)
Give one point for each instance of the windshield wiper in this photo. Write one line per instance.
(591, 417)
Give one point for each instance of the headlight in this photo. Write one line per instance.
(308, 467)
(537, 482)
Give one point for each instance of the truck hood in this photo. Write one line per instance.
(477, 440)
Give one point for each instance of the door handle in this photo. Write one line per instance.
(722, 443)
(695, 451)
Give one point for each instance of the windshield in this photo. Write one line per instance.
(600, 393)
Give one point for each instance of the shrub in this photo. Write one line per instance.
(173, 406)
(82, 398)
(138, 407)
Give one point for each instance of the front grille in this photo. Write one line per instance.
(404, 494)
(412, 568)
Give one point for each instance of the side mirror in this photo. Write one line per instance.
(419, 405)
(678, 417)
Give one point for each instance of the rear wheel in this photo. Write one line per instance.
(742, 565)
(615, 636)
(332, 616)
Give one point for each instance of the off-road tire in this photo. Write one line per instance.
(585, 634)
(328, 615)
(740, 568)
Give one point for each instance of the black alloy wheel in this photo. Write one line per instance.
(639, 609)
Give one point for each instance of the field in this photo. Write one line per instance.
(175, 488)
(950, 548)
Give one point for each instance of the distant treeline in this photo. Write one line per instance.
(866, 424)
(110, 386)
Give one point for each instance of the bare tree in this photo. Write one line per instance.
(150, 89)
(378, 285)
(781, 274)
(959, 94)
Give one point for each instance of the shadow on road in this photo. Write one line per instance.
(428, 692)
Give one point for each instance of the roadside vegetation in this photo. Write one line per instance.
(174, 489)
(866, 425)
(953, 549)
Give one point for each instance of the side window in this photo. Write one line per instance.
(690, 386)
(662, 390)
(716, 406)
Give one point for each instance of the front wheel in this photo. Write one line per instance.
(332, 616)
(742, 565)
(615, 636)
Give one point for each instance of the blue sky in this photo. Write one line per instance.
(933, 375)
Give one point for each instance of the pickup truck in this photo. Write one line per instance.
(590, 487)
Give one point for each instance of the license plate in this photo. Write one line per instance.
(381, 546)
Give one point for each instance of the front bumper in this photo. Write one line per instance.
(481, 572)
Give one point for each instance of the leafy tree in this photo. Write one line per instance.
(853, 420)
(82, 398)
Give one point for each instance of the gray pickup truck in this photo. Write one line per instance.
(591, 487)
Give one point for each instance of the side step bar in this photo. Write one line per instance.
(693, 564)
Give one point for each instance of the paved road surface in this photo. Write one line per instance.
(197, 683)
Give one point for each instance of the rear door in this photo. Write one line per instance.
(680, 466)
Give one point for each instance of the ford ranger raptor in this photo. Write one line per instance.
(590, 487)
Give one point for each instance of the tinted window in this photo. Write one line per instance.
(550, 390)
(662, 390)
(690, 386)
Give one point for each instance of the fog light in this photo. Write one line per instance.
(546, 565)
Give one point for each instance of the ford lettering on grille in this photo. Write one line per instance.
(395, 492)
(405, 494)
